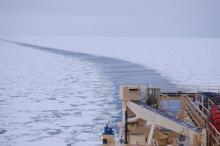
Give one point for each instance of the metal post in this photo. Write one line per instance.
(150, 136)
(126, 128)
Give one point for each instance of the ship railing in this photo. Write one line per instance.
(189, 88)
(199, 105)
(213, 134)
(196, 114)
(197, 88)
(215, 89)
(166, 102)
(200, 115)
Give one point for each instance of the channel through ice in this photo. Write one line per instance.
(56, 95)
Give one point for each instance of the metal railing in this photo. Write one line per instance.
(200, 116)
(190, 88)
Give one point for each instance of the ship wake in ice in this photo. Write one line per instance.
(54, 97)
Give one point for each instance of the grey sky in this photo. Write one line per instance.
(155, 18)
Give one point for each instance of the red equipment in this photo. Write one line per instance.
(215, 116)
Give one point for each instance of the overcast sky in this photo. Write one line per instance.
(148, 18)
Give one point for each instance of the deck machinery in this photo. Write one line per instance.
(146, 121)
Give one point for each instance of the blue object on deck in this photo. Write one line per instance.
(108, 130)
(181, 140)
